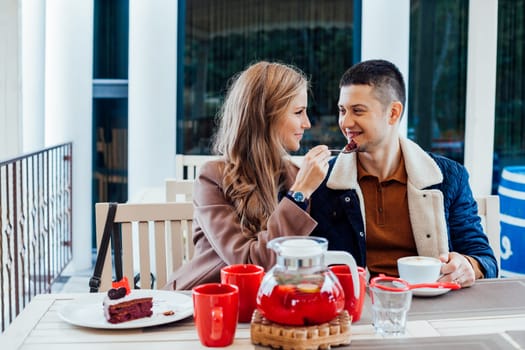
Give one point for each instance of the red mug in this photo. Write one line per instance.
(216, 307)
(248, 278)
(353, 305)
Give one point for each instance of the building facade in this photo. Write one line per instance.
(462, 61)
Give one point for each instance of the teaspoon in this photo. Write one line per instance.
(345, 150)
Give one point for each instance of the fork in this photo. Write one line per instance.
(335, 151)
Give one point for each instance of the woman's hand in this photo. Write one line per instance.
(313, 170)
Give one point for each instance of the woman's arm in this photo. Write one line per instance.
(216, 220)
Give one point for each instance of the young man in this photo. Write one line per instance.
(390, 198)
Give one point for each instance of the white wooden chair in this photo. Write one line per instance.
(187, 166)
(488, 210)
(160, 231)
(179, 190)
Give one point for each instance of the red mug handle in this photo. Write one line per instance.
(216, 323)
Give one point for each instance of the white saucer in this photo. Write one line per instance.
(88, 311)
(429, 292)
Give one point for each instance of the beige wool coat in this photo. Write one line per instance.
(217, 232)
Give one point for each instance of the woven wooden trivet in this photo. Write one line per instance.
(334, 333)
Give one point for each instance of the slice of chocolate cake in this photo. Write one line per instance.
(119, 307)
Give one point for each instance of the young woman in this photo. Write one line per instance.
(254, 192)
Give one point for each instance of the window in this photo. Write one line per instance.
(222, 37)
(110, 103)
(437, 77)
(509, 140)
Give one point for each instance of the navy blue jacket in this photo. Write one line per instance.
(340, 220)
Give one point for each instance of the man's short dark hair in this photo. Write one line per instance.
(383, 76)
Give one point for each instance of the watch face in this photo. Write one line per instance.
(298, 196)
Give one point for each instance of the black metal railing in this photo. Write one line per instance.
(35, 225)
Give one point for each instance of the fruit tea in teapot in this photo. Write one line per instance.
(300, 290)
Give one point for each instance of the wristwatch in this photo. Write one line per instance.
(298, 196)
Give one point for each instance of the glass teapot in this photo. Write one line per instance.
(300, 289)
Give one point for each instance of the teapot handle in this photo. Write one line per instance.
(339, 257)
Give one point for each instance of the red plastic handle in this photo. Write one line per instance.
(447, 285)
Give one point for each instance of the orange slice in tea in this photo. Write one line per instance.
(308, 287)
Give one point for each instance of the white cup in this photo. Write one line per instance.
(419, 269)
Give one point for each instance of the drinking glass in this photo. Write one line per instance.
(391, 299)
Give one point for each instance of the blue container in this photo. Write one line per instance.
(511, 192)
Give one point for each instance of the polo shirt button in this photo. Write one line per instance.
(362, 234)
(347, 199)
(428, 235)
(334, 214)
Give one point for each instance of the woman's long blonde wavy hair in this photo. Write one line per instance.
(248, 139)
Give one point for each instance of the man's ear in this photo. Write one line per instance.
(396, 111)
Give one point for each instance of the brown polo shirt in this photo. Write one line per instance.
(388, 228)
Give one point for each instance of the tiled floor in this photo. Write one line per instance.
(74, 284)
(73, 281)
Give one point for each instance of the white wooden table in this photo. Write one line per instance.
(491, 314)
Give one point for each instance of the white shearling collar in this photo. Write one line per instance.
(422, 170)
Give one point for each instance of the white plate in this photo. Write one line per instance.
(88, 311)
(429, 292)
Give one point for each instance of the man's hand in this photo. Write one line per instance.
(457, 268)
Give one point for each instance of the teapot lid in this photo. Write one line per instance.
(300, 248)
(299, 251)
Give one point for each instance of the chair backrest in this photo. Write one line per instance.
(179, 190)
(163, 229)
(488, 210)
(187, 166)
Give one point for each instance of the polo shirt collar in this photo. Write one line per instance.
(399, 175)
